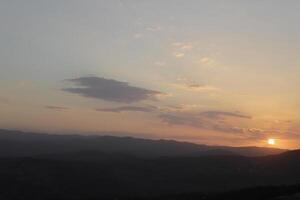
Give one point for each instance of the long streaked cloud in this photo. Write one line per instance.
(181, 119)
(226, 128)
(195, 87)
(110, 90)
(56, 108)
(191, 85)
(183, 46)
(120, 109)
(221, 114)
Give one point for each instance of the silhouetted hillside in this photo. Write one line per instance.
(16, 143)
(118, 176)
(42, 166)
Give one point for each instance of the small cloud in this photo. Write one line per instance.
(199, 87)
(160, 63)
(196, 87)
(129, 109)
(57, 108)
(184, 46)
(256, 130)
(207, 61)
(110, 90)
(180, 49)
(190, 85)
(179, 55)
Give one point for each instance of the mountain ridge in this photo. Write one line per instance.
(28, 143)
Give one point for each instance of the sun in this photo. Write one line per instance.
(271, 141)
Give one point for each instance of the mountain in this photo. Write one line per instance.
(17, 143)
(117, 176)
(68, 167)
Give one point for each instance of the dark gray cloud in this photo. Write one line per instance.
(120, 109)
(220, 114)
(110, 90)
(57, 108)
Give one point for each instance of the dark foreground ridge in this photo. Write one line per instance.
(89, 173)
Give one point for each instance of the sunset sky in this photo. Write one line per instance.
(209, 72)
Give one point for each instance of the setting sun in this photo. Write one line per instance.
(271, 141)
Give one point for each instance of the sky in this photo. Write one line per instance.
(204, 71)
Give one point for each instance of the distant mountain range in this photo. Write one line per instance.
(73, 167)
(17, 143)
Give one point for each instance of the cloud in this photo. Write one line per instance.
(213, 120)
(180, 49)
(191, 85)
(209, 120)
(110, 90)
(160, 63)
(221, 114)
(57, 108)
(181, 119)
(257, 133)
(183, 46)
(120, 109)
(179, 55)
(228, 129)
(207, 61)
(195, 87)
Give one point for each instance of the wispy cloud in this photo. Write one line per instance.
(188, 84)
(110, 90)
(179, 55)
(228, 128)
(183, 46)
(207, 61)
(181, 119)
(57, 108)
(210, 120)
(221, 114)
(195, 87)
(160, 63)
(120, 109)
(154, 28)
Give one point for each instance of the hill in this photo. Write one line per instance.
(17, 143)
